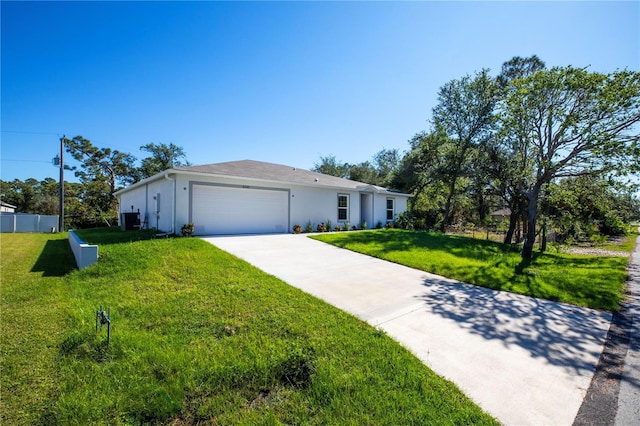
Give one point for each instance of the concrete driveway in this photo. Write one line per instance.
(523, 360)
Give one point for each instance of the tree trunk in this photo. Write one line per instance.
(482, 208)
(532, 216)
(513, 221)
(447, 206)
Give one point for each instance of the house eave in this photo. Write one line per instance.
(318, 185)
(161, 175)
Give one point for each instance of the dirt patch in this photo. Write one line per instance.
(594, 251)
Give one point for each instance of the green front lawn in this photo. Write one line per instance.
(591, 281)
(198, 336)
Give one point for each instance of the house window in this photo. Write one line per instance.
(343, 207)
(390, 208)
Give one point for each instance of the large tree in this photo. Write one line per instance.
(163, 157)
(423, 166)
(31, 196)
(572, 122)
(508, 160)
(464, 113)
(329, 165)
(386, 162)
(101, 164)
(101, 170)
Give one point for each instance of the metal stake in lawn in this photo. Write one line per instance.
(103, 318)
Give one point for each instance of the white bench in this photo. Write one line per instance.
(85, 254)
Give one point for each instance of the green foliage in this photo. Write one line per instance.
(163, 157)
(329, 226)
(308, 227)
(198, 336)
(498, 145)
(573, 122)
(591, 281)
(330, 166)
(584, 207)
(406, 220)
(100, 164)
(380, 172)
(187, 229)
(32, 196)
(90, 203)
(464, 114)
(518, 67)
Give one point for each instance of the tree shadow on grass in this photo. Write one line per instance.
(55, 260)
(562, 334)
(402, 240)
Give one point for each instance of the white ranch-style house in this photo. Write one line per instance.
(252, 197)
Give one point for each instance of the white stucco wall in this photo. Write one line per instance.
(305, 204)
(143, 199)
(315, 204)
(320, 205)
(380, 207)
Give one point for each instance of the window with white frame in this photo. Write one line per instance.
(343, 207)
(390, 209)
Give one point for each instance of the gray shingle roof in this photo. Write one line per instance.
(268, 172)
(276, 173)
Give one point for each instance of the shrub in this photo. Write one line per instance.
(613, 225)
(308, 227)
(321, 227)
(363, 224)
(187, 229)
(598, 239)
(405, 221)
(297, 229)
(329, 226)
(379, 225)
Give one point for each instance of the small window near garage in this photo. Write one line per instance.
(343, 207)
(390, 208)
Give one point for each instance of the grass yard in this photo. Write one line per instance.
(591, 281)
(198, 336)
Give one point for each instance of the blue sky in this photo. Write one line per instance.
(283, 82)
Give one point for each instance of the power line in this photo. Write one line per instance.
(25, 161)
(28, 132)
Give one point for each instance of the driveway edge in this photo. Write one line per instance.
(613, 393)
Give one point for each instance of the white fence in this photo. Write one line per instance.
(18, 222)
(85, 254)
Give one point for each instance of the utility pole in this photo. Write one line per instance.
(61, 219)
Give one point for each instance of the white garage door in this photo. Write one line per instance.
(232, 210)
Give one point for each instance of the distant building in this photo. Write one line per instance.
(502, 214)
(7, 208)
